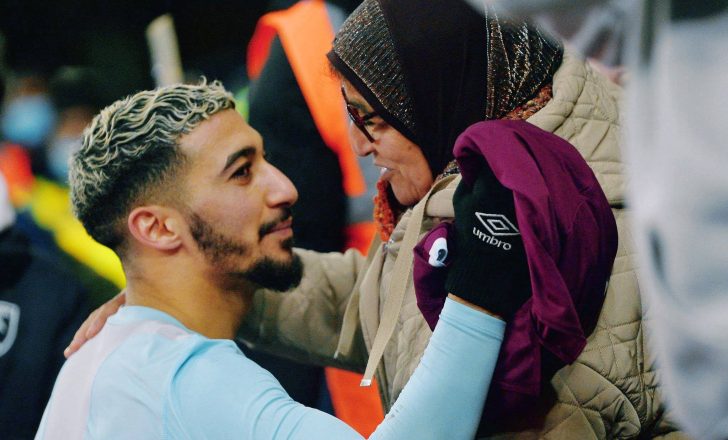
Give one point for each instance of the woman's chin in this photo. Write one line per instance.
(405, 198)
(408, 193)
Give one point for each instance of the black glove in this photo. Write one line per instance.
(489, 266)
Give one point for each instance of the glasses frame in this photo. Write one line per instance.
(357, 118)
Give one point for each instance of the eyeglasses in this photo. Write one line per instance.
(357, 118)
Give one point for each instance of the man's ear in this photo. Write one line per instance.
(156, 226)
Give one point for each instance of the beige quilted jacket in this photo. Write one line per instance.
(611, 391)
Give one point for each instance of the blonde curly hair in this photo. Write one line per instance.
(130, 153)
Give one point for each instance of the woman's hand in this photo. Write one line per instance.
(94, 323)
(489, 268)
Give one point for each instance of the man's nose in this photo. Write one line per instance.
(359, 143)
(281, 191)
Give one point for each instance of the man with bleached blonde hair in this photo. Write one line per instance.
(176, 182)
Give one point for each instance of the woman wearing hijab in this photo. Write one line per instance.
(415, 75)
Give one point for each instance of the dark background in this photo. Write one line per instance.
(108, 36)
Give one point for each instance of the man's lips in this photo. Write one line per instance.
(283, 226)
(283, 222)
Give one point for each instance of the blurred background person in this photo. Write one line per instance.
(38, 184)
(42, 302)
(676, 146)
(43, 296)
(76, 93)
(28, 116)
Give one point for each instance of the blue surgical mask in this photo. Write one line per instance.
(28, 120)
(59, 153)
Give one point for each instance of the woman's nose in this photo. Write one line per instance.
(359, 143)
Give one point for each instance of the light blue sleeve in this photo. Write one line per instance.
(218, 393)
(444, 397)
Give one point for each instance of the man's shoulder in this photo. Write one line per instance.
(138, 376)
(156, 348)
(122, 374)
(212, 390)
(140, 352)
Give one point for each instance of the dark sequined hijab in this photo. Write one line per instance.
(431, 68)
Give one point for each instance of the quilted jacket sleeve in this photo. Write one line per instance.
(304, 324)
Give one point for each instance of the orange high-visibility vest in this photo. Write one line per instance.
(306, 34)
(15, 167)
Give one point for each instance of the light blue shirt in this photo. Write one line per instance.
(147, 376)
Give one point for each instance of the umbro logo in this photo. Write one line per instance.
(496, 225)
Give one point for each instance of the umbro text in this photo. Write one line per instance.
(482, 236)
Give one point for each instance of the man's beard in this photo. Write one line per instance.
(221, 251)
(276, 275)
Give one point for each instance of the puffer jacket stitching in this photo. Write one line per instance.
(584, 405)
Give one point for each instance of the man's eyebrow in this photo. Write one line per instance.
(243, 152)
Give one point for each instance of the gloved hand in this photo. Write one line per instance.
(432, 257)
(490, 267)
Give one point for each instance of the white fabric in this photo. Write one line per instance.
(7, 213)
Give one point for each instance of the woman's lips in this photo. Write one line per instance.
(385, 172)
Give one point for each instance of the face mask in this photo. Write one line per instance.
(28, 120)
(59, 153)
